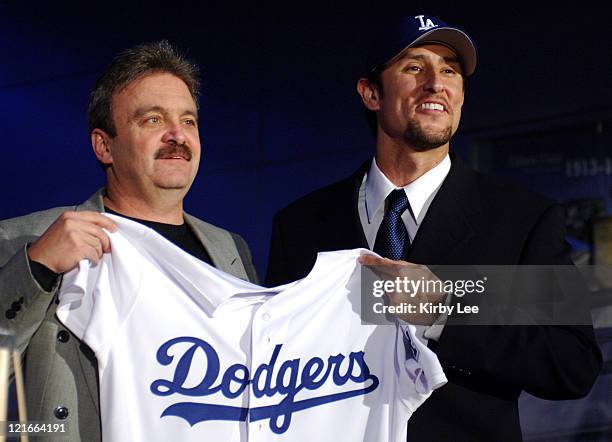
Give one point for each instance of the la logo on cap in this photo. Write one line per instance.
(425, 24)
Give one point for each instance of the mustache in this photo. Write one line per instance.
(173, 150)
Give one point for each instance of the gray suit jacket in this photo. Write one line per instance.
(61, 371)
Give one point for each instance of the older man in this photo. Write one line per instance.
(414, 202)
(143, 120)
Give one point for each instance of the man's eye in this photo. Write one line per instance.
(153, 120)
(413, 68)
(189, 122)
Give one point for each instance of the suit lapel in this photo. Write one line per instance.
(219, 245)
(85, 356)
(449, 221)
(343, 213)
(94, 202)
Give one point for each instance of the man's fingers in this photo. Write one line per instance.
(371, 260)
(91, 242)
(94, 218)
(99, 235)
(387, 268)
(72, 237)
(92, 252)
(381, 265)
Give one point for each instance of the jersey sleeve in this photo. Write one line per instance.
(95, 299)
(420, 372)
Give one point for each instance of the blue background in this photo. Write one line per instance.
(280, 115)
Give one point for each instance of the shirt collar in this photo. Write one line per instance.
(378, 187)
(215, 291)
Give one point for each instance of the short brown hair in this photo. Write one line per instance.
(129, 65)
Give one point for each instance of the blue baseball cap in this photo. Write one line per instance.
(417, 30)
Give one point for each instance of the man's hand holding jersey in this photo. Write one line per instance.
(390, 270)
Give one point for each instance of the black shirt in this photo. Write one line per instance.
(180, 235)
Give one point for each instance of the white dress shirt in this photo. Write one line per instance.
(374, 190)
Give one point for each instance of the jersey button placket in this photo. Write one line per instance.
(259, 355)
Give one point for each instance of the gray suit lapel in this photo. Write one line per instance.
(85, 356)
(218, 242)
(94, 202)
(220, 246)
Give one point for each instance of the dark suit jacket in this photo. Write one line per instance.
(472, 220)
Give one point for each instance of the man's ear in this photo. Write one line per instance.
(369, 94)
(100, 142)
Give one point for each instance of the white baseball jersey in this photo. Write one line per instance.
(189, 353)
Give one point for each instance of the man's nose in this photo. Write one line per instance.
(433, 82)
(175, 133)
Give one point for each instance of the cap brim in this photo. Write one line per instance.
(457, 40)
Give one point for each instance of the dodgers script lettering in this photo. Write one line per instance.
(286, 383)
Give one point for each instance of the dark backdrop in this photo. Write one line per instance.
(279, 112)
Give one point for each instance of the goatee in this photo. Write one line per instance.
(415, 136)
